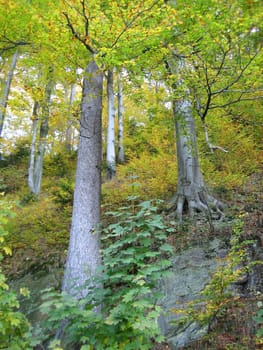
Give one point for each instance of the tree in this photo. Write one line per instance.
(108, 46)
(84, 255)
(6, 90)
(223, 65)
(37, 155)
(110, 153)
(121, 157)
(69, 131)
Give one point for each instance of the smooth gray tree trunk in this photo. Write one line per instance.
(84, 248)
(69, 130)
(120, 122)
(110, 152)
(191, 195)
(6, 91)
(31, 182)
(37, 158)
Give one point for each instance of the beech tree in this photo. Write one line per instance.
(104, 50)
(212, 43)
(40, 113)
(6, 90)
(96, 36)
(121, 156)
(69, 100)
(110, 152)
(83, 254)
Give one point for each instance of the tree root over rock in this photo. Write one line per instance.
(197, 202)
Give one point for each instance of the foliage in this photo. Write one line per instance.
(147, 177)
(12, 179)
(39, 236)
(218, 294)
(39, 217)
(259, 320)
(18, 154)
(243, 158)
(135, 257)
(217, 41)
(15, 332)
(63, 193)
(60, 164)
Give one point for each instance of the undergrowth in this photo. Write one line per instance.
(135, 256)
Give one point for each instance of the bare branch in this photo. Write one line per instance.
(7, 44)
(249, 91)
(210, 145)
(242, 71)
(86, 18)
(239, 99)
(77, 35)
(209, 96)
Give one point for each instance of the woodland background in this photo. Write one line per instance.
(154, 56)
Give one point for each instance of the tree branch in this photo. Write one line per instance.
(210, 145)
(77, 35)
(86, 18)
(239, 99)
(7, 44)
(242, 71)
(129, 24)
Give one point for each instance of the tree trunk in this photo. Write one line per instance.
(110, 153)
(192, 195)
(83, 254)
(4, 99)
(43, 132)
(31, 182)
(120, 122)
(69, 131)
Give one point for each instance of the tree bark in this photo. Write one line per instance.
(31, 182)
(4, 99)
(110, 153)
(69, 130)
(84, 255)
(120, 122)
(192, 195)
(43, 132)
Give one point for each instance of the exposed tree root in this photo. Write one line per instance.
(198, 202)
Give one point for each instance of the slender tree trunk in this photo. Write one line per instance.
(4, 99)
(69, 131)
(31, 182)
(120, 122)
(110, 157)
(83, 254)
(36, 158)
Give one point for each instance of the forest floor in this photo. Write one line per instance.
(233, 329)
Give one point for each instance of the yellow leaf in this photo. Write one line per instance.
(25, 292)
(7, 250)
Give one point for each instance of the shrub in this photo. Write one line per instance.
(218, 294)
(135, 257)
(63, 193)
(15, 330)
(146, 177)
